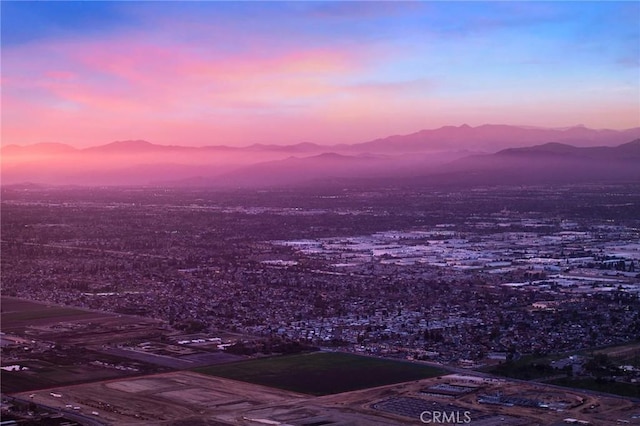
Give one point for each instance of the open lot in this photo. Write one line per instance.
(322, 373)
(57, 367)
(41, 374)
(184, 397)
(32, 327)
(607, 386)
(622, 352)
(160, 399)
(174, 362)
(16, 314)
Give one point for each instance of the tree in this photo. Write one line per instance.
(600, 365)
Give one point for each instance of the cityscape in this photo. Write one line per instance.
(500, 282)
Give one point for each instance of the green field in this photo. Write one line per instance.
(322, 373)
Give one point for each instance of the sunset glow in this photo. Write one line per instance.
(87, 73)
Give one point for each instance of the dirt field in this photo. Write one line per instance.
(30, 328)
(71, 325)
(181, 398)
(621, 352)
(162, 398)
(17, 314)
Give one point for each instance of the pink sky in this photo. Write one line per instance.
(195, 82)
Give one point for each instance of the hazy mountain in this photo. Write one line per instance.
(425, 153)
(131, 147)
(304, 147)
(551, 163)
(293, 170)
(491, 137)
(547, 163)
(628, 151)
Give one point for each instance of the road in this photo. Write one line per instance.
(84, 419)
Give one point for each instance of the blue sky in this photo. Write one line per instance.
(327, 72)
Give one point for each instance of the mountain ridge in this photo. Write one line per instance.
(416, 157)
(480, 134)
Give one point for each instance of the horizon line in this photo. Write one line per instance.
(328, 145)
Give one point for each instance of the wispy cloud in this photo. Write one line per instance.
(241, 73)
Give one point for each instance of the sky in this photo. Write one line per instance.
(239, 73)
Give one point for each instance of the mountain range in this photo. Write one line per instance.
(483, 154)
